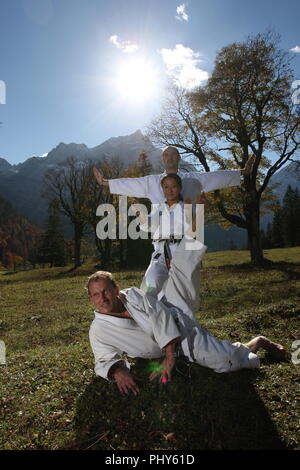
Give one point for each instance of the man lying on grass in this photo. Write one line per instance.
(134, 323)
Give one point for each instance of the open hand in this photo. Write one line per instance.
(98, 176)
(164, 371)
(248, 165)
(125, 382)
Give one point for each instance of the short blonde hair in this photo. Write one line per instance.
(97, 276)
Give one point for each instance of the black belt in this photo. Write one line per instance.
(167, 251)
(172, 239)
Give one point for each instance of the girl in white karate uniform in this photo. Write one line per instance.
(169, 222)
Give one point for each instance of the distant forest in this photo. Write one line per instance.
(23, 244)
(18, 237)
(284, 230)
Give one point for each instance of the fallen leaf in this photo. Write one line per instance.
(170, 436)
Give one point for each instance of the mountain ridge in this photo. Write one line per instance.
(21, 184)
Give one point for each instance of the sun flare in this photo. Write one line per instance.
(136, 80)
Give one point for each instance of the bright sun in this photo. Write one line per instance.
(136, 80)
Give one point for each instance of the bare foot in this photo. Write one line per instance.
(274, 349)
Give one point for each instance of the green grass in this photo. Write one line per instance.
(51, 399)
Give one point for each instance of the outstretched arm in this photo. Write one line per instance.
(219, 179)
(99, 177)
(132, 187)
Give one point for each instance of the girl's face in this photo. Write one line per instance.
(171, 189)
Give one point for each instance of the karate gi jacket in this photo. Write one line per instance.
(151, 328)
(175, 221)
(193, 183)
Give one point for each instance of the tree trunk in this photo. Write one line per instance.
(254, 235)
(121, 253)
(98, 244)
(78, 231)
(104, 249)
(107, 253)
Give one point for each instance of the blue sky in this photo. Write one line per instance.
(60, 61)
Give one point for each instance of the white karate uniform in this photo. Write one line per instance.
(154, 324)
(163, 222)
(193, 183)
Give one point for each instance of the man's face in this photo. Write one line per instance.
(171, 158)
(103, 295)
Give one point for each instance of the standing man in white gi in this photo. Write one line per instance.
(193, 184)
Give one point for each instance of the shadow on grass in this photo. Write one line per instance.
(199, 409)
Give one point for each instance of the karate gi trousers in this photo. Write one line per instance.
(157, 272)
(181, 295)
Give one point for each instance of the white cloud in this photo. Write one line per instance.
(114, 40)
(125, 46)
(182, 13)
(295, 49)
(182, 65)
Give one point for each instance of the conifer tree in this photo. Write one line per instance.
(277, 240)
(291, 217)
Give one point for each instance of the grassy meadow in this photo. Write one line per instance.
(51, 399)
